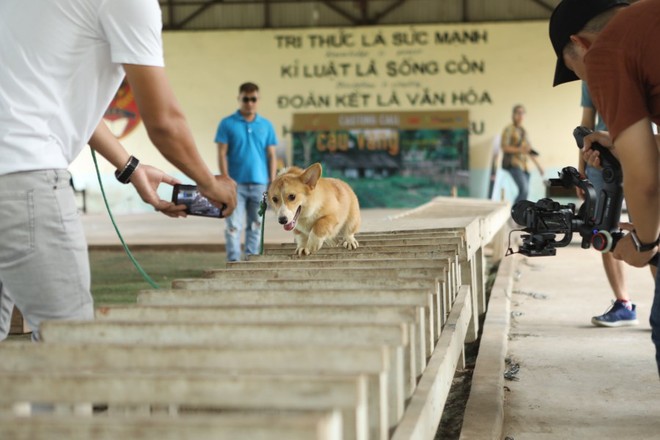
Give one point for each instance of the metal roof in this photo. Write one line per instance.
(264, 14)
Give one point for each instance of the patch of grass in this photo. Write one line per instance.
(116, 280)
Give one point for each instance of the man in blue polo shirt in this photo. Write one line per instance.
(246, 153)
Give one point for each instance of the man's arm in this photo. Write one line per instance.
(512, 149)
(107, 145)
(222, 159)
(168, 130)
(507, 147)
(537, 164)
(145, 178)
(272, 162)
(637, 151)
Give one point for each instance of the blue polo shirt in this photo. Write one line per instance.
(247, 142)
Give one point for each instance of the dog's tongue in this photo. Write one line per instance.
(292, 224)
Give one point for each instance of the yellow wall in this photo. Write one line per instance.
(366, 68)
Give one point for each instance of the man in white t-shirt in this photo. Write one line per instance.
(62, 62)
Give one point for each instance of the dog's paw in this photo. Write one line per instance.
(301, 251)
(351, 243)
(313, 244)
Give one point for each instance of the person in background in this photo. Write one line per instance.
(623, 312)
(62, 63)
(246, 153)
(517, 152)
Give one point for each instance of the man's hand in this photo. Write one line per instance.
(146, 180)
(591, 156)
(625, 250)
(221, 192)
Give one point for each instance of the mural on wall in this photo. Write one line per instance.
(122, 115)
(390, 159)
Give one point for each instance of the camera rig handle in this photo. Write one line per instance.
(608, 160)
(605, 219)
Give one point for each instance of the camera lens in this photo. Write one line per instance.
(520, 210)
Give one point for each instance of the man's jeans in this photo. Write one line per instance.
(249, 198)
(521, 178)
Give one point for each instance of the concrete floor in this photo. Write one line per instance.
(578, 381)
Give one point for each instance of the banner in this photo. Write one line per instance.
(390, 159)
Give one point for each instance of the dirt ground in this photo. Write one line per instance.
(452, 415)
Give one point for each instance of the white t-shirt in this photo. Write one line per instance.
(60, 66)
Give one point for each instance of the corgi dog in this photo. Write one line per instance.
(317, 209)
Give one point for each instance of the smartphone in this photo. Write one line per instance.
(196, 204)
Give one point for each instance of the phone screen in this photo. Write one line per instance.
(196, 204)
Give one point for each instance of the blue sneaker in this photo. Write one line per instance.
(616, 316)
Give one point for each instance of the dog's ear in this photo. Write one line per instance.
(289, 170)
(312, 175)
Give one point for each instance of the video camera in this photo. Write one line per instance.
(597, 219)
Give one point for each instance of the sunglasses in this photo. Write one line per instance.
(247, 99)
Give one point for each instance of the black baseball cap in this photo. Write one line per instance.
(568, 18)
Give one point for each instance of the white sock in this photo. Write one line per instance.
(626, 303)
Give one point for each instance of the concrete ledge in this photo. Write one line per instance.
(424, 411)
(262, 425)
(484, 413)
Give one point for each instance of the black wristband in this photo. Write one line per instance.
(643, 247)
(124, 176)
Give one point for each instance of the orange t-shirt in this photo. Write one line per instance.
(623, 67)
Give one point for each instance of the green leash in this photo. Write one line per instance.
(128, 252)
(262, 212)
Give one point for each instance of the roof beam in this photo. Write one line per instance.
(387, 10)
(544, 5)
(192, 16)
(340, 11)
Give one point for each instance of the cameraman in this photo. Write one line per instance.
(62, 62)
(614, 47)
